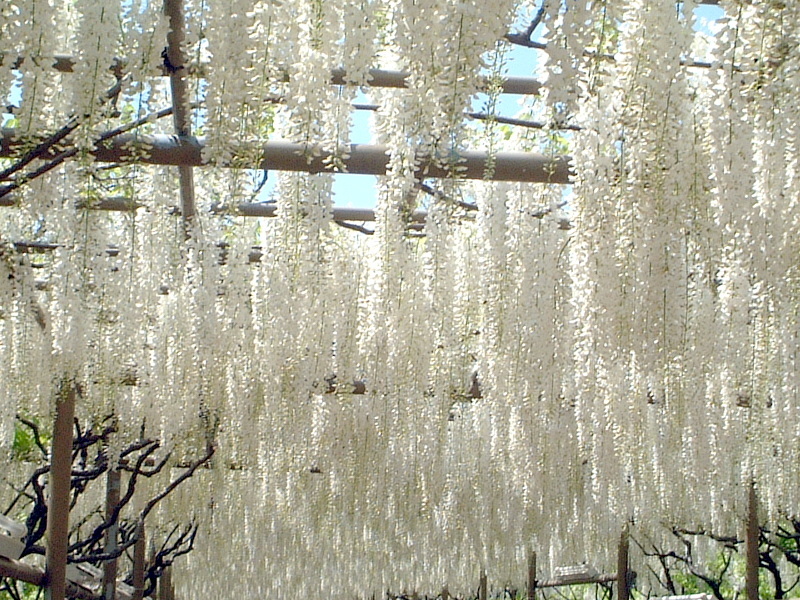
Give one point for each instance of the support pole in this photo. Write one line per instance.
(623, 591)
(165, 589)
(532, 576)
(110, 566)
(58, 500)
(751, 544)
(483, 588)
(139, 562)
(175, 64)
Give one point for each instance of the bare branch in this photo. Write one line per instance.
(44, 147)
(663, 558)
(728, 541)
(165, 557)
(59, 158)
(438, 194)
(103, 556)
(183, 477)
(354, 227)
(10, 587)
(96, 536)
(88, 465)
(520, 122)
(21, 493)
(37, 438)
(525, 39)
(36, 523)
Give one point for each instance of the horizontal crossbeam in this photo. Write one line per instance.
(377, 77)
(606, 578)
(20, 571)
(362, 159)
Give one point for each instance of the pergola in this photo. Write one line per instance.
(571, 340)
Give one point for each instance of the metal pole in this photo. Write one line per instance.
(363, 159)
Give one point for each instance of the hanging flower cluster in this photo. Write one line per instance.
(399, 411)
(678, 304)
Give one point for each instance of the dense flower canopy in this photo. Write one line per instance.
(399, 411)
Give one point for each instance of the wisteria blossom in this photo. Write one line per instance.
(536, 368)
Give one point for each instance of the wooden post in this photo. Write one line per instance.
(165, 585)
(445, 593)
(110, 566)
(623, 591)
(751, 544)
(483, 591)
(139, 562)
(58, 496)
(532, 576)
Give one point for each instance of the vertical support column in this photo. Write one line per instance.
(623, 591)
(175, 64)
(165, 589)
(532, 576)
(445, 593)
(483, 588)
(751, 544)
(163, 584)
(110, 566)
(138, 562)
(58, 500)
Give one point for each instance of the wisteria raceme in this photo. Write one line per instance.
(537, 368)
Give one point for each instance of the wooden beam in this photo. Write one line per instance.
(550, 583)
(58, 493)
(526, 86)
(340, 213)
(363, 159)
(377, 77)
(483, 587)
(14, 569)
(244, 209)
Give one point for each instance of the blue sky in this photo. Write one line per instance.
(360, 190)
